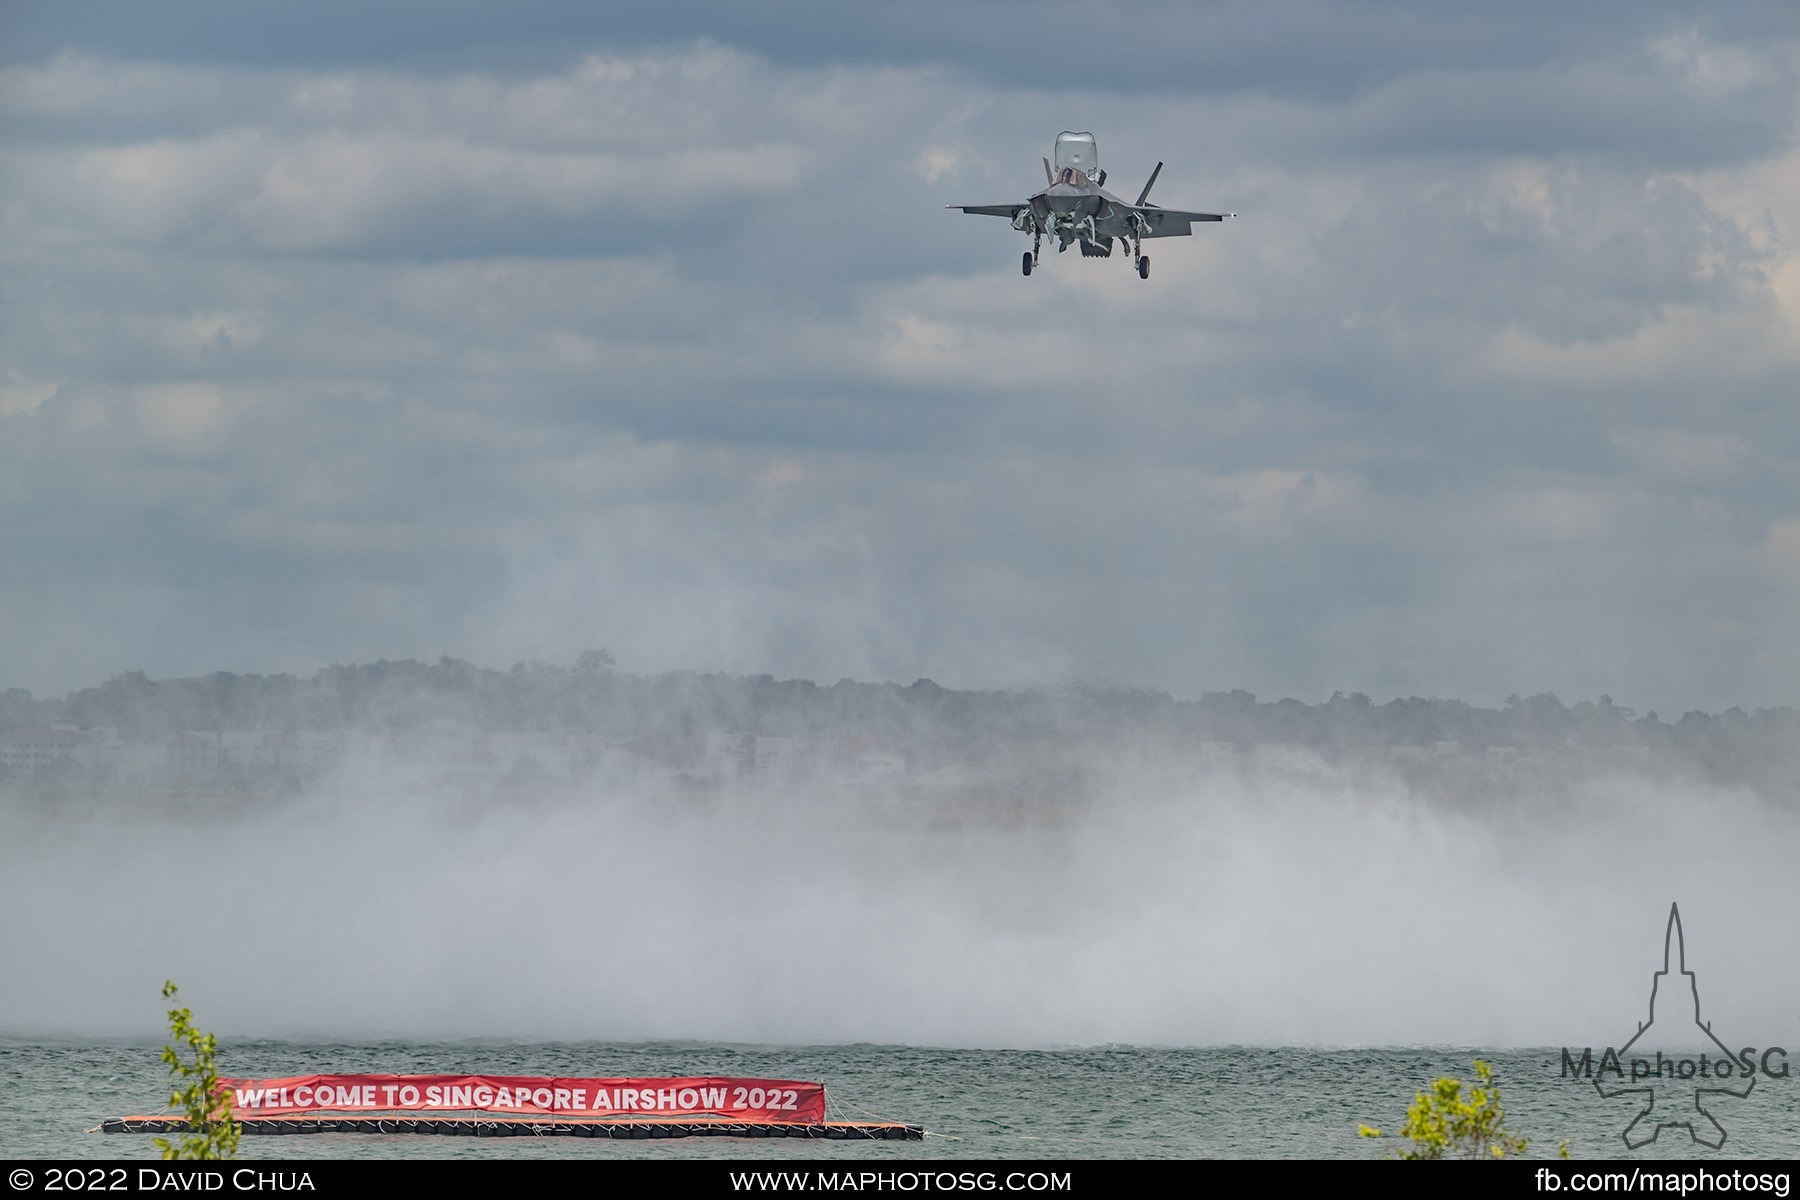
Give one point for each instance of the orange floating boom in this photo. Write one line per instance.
(591, 1127)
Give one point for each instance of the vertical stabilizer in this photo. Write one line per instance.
(1145, 194)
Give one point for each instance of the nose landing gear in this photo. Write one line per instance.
(1143, 266)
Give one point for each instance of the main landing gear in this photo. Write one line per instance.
(1031, 256)
(1134, 238)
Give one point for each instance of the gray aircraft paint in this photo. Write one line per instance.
(1074, 209)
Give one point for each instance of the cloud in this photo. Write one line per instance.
(447, 348)
(1783, 548)
(1685, 456)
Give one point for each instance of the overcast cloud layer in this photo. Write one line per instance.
(505, 332)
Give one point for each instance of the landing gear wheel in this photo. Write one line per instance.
(1144, 267)
(1026, 265)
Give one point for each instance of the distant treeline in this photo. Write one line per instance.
(591, 696)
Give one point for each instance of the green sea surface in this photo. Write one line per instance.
(1078, 1103)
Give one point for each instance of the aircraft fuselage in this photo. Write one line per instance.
(1074, 199)
(1074, 208)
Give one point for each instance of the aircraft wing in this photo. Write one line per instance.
(1173, 222)
(990, 210)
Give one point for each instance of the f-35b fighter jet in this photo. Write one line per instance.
(1076, 208)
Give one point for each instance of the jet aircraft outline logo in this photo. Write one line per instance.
(1702, 1126)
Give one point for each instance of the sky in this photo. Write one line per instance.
(339, 332)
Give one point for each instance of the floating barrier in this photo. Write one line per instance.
(460, 1126)
(530, 1106)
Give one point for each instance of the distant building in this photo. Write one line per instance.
(731, 755)
(776, 757)
(28, 751)
(168, 753)
(256, 749)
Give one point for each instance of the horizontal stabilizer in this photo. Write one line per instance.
(1173, 222)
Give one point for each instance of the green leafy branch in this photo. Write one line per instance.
(1443, 1123)
(212, 1130)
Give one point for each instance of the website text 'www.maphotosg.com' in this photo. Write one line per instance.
(902, 1181)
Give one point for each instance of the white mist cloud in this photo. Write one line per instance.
(1276, 901)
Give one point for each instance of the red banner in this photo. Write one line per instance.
(760, 1100)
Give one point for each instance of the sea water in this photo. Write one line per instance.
(1076, 1103)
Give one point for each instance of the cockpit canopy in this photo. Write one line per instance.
(1077, 150)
